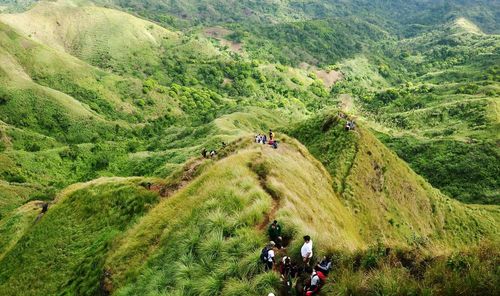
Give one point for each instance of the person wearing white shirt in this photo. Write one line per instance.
(307, 249)
(270, 259)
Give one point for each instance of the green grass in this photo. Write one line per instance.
(411, 272)
(206, 237)
(368, 177)
(74, 236)
(115, 95)
(15, 224)
(211, 226)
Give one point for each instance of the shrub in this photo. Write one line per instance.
(14, 177)
(32, 147)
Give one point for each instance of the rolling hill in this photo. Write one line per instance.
(213, 219)
(104, 113)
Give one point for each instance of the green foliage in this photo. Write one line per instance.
(92, 217)
(90, 97)
(411, 272)
(468, 172)
(431, 87)
(316, 42)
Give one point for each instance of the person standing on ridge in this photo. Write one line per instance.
(270, 259)
(288, 272)
(267, 256)
(307, 250)
(271, 135)
(45, 207)
(274, 231)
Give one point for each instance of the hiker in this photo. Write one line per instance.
(348, 126)
(316, 282)
(213, 153)
(325, 265)
(270, 258)
(274, 231)
(267, 256)
(271, 135)
(204, 153)
(275, 144)
(264, 139)
(45, 207)
(287, 268)
(256, 138)
(279, 242)
(307, 250)
(287, 271)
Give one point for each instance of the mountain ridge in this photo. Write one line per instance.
(108, 132)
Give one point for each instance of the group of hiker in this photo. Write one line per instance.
(206, 154)
(350, 125)
(213, 153)
(310, 278)
(264, 139)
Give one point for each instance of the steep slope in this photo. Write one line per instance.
(90, 93)
(66, 247)
(391, 202)
(103, 37)
(204, 236)
(448, 116)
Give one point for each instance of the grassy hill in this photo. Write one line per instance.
(103, 115)
(95, 34)
(91, 121)
(446, 116)
(204, 237)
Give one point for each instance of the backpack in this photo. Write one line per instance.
(264, 254)
(321, 277)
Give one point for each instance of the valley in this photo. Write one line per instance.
(106, 106)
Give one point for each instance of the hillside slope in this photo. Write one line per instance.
(103, 115)
(103, 37)
(392, 202)
(203, 238)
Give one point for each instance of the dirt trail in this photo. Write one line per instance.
(188, 175)
(220, 34)
(276, 198)
(190, 169)
(270, 215)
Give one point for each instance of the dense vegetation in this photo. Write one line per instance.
(103, 115)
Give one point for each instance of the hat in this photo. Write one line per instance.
(270, 294)
(272, 243)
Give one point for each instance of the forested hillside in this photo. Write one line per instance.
(106, 107)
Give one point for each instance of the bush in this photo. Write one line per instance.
(14, 177)
(100, 163)
(32, 147)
